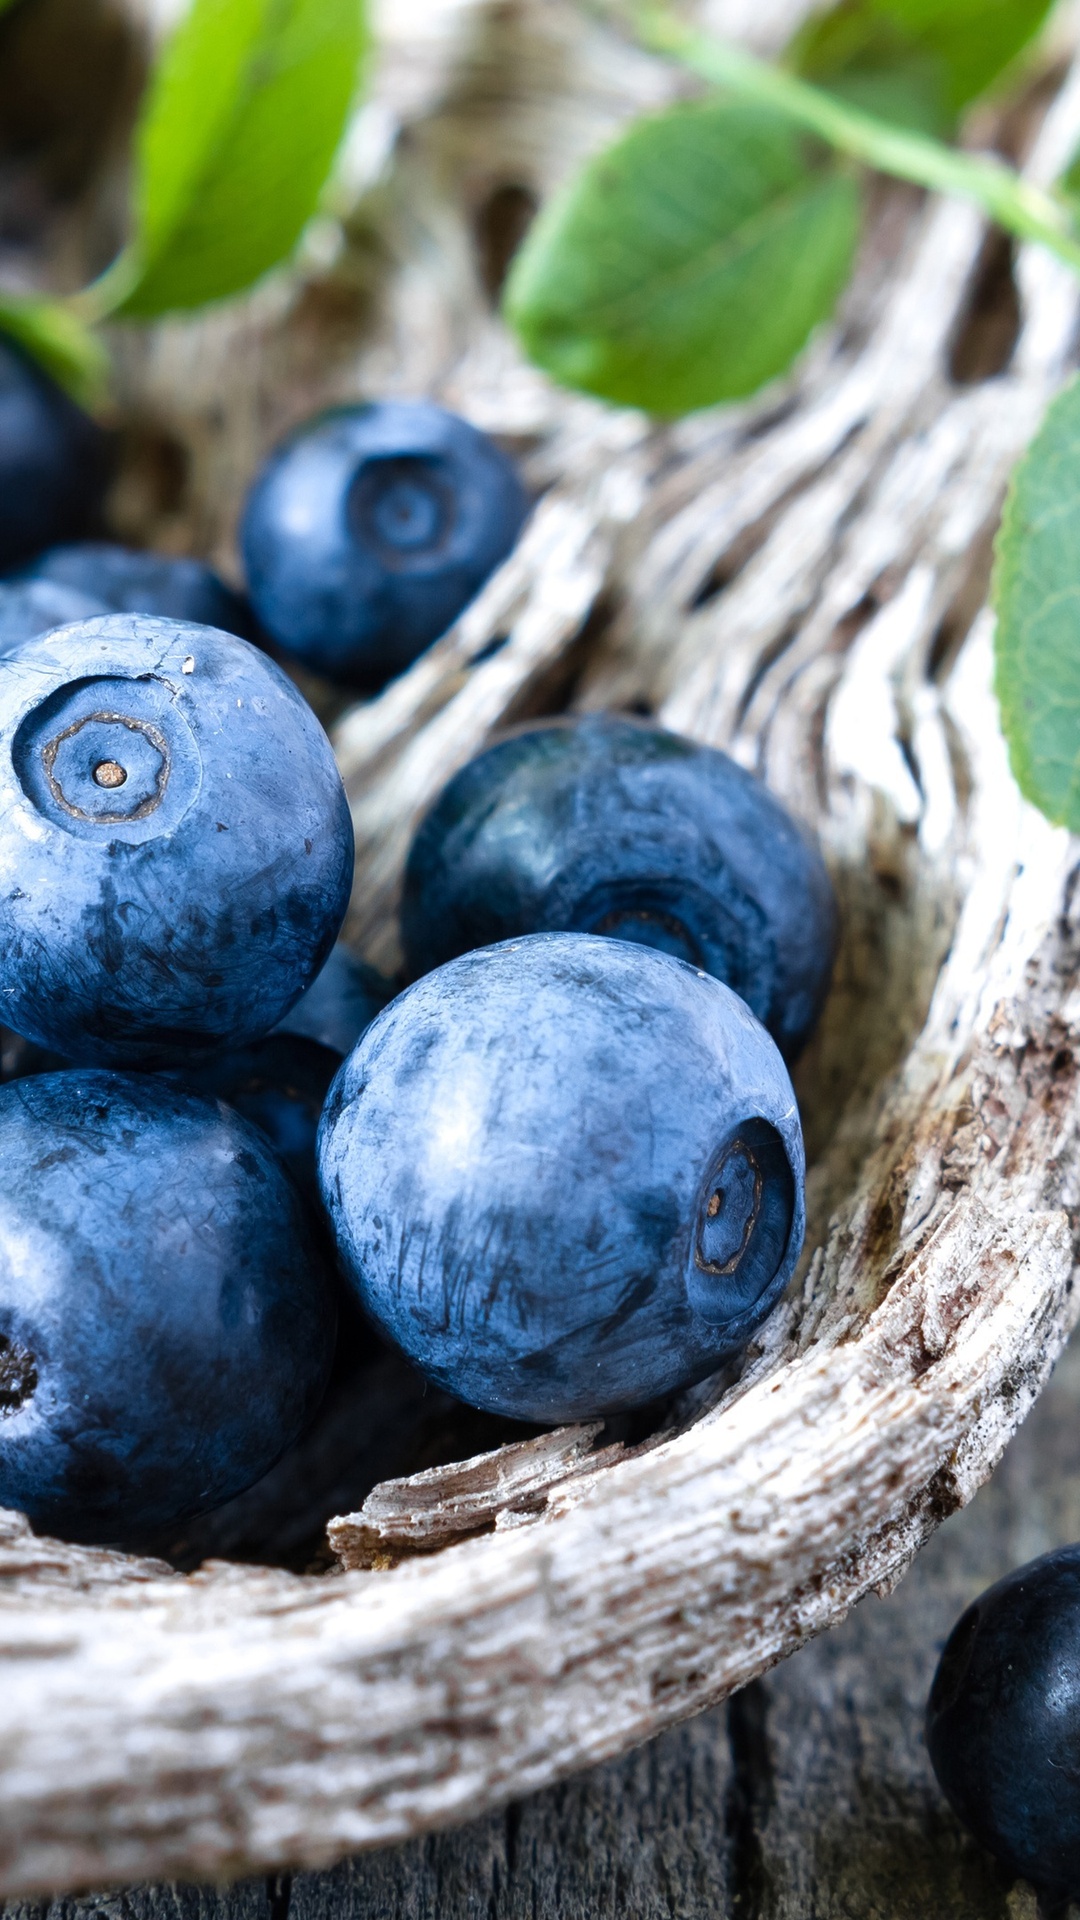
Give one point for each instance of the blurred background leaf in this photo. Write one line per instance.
(59, 342)
(916, 62)
(689, 262)
(1069, 186)
(1037, 596)
(237, 135)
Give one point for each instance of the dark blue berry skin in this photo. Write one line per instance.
(30, 607)
(166, 1325)
(340, 1004)
(190, 903)
(52, 461)
(1003, 1720)
(370, 529)
(126, 580)
(19, 1057)
(279, 1084)
(608, 825)
(565, 1175)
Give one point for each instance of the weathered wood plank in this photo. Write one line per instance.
(809, 1794)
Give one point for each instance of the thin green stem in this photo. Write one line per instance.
(101, 299)
(55, 335)
(1021, 208)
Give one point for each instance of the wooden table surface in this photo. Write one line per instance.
(807, 1797)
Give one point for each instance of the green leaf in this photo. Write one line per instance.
(244, 116)
(688, 263)
(54, 336)
(1024, 209)
(1037, 596)
(1069, 185)
(918, 62)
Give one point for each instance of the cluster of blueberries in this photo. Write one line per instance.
(363, 537)
(562, 1169)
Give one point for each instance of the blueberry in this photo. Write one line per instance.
(30, 607)
(606, 825)
(278, 1084)
(368, 531)
(126, 580)
(340, 1004)
(166, 1328)
(175, 842)
(52, 460)
(1003, 1720)
(565, 1174)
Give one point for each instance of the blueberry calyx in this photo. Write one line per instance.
(403, 508)
(67, 767)
(107, 752)
(744, 1224)
(649, 926)
(732, 1211)
(18, 1375)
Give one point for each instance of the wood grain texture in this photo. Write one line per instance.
(809, 1793)
(802, 580)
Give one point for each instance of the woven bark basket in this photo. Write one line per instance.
(800, 580)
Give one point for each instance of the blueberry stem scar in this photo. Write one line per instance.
(109, 773)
